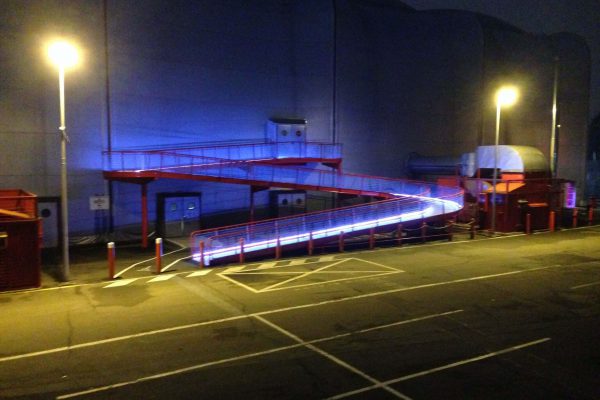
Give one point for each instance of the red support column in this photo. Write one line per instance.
(341, 242)
(528, 224)
(278, 249)
(590, 215)
(399, 235)
(242, 251)
(575, 213)
(371, 238)
(552, 221)
(111, 260)
(144, 215)
(450, 224)
(251, 203)
(423, 232)
(311, 245)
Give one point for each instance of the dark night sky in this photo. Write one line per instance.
(540, 16)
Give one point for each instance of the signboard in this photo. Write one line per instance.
(99, 203)
(570, 195)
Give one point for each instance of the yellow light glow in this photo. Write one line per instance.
(63, 54)
(507, 96)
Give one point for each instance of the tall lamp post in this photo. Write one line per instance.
(64, 56)
(505, 97)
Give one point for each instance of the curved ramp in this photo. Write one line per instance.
(405, 200)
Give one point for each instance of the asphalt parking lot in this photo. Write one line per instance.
(513, 317)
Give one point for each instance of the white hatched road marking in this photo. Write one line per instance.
(121, 282)
(202, 272)
(234, 269)
(164, 277)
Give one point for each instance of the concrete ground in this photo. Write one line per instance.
(511, 317)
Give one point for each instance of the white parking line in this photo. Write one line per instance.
(273, 311)
(441, 368)
(236, 358)
(333, 358)
(585, 285)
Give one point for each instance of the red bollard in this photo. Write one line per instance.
(311, 245)
(575, 212)
(241, 250)
(371, 238)
(111, 260)
(472, 230)
(450, 223)
(341, 242)
(528, 224)
(159, 252)
(552, 221)
(201, 248)
(590, 215)
(423, 232)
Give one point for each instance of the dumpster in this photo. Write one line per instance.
(20, 240)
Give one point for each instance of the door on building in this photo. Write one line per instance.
(178, 214)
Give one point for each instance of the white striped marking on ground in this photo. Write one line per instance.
(267, 265)
(441, 368)
(163, 277)
(216, 362)
(122, 282)
(202, 272)
(234, 269)
(585, 285)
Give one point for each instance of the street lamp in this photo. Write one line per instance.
(505, 97)
(64, 56)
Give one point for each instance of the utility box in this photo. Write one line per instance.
(286, 130)
(20, 240)
(284, 203)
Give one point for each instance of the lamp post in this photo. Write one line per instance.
(505, 97)
(63, 55)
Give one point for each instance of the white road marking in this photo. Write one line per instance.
(144, 261)
(297, 262)
(268, 312)
(233, 269)
(441, 368)
(202, 272)
(175, 262)
(585, 285)
(251, 289)
(162, 277)
(302, 275)
(378, 273)
(333, 358)
(122, 282)
(267, 265)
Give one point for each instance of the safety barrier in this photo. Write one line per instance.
(211, 244)
(141, 159)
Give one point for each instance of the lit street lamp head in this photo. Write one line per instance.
(506, 96)
(63, 54)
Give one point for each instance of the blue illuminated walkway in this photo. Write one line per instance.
(256, 164)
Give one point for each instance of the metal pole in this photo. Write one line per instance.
(495, 176)
(553, 152)
(63, 178)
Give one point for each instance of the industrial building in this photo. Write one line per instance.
(376, 76)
